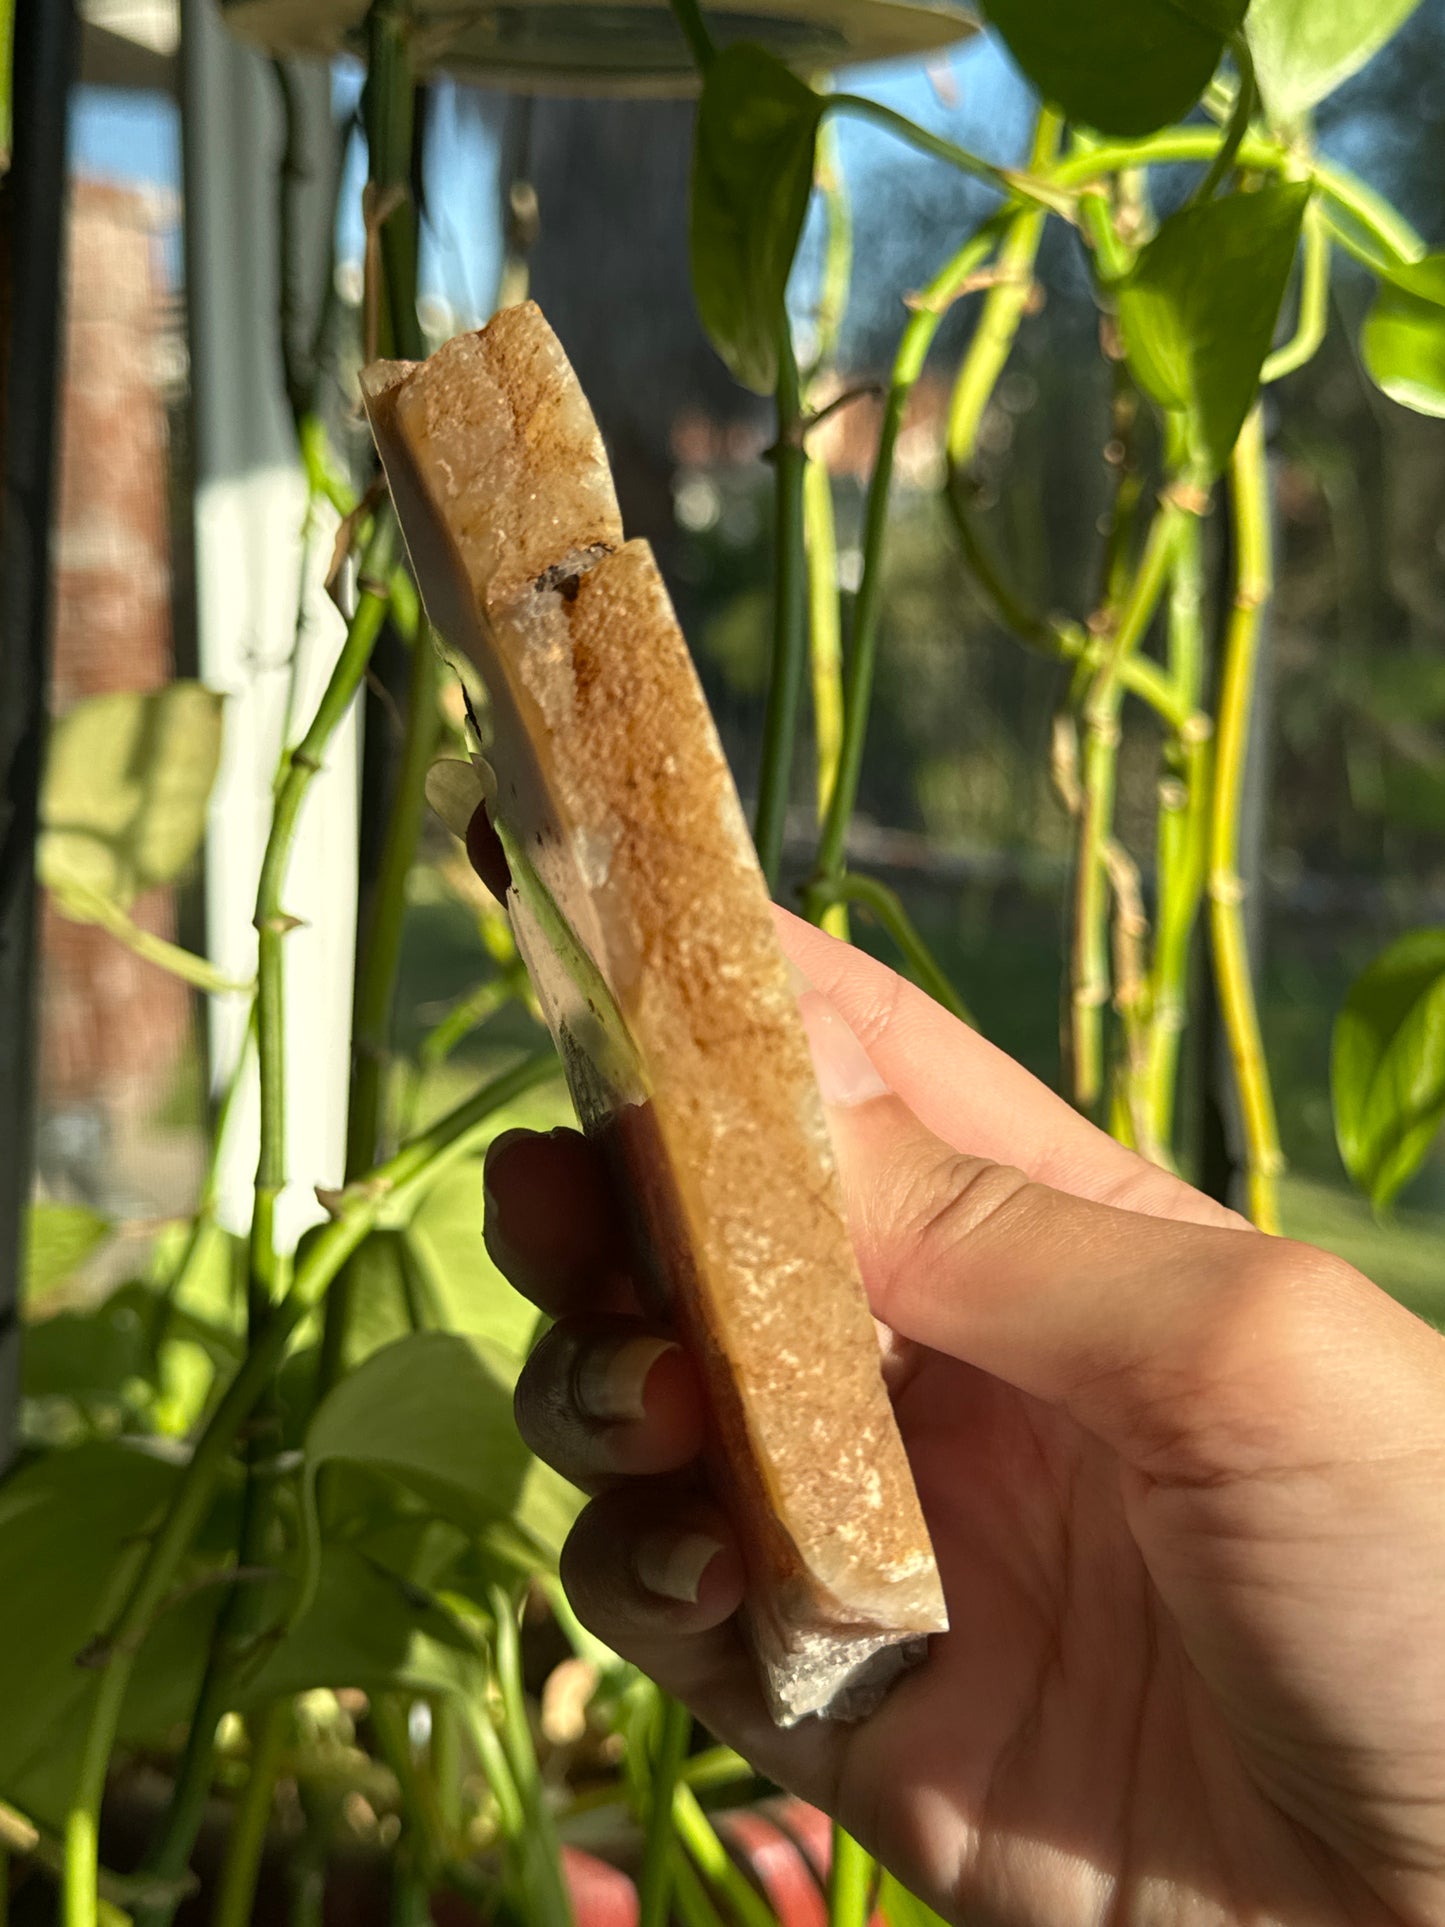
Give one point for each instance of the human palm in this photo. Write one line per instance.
(1183, 1482)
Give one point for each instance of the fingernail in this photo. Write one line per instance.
(455, 790)
(611, 1380)
(845, 1072)
(492, 1236)
(673, 1568)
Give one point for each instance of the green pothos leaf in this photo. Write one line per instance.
(1402, 342)
(123, 805)
(752, 174)
(1122, 66)
(1198, 312)
(1304, 49)
(58, 1240)
(432, 1414)
(1388, 1070)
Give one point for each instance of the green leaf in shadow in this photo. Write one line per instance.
(1121, 66)
(752, 174)
(1388, 1070)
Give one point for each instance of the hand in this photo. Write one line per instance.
(1186, 1485)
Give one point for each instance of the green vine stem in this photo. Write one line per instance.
(1314, 300)
(1054, 636)
(928, 307)
(1344, 194)
(389, 108)
(548, 1901)
(1089, 962)
(269, 1732)
(852, 1878)
(887, 909)
(1017, 185)
(825, 650)
(1249, 500)
(790, 614)
(673, 1730)
(1003, 309)
(1238, 127)
(377, 968)
(1182, 842)
(710, 1856)
(820, 536)
(694, 28)
(392, 1191)
(272, 921)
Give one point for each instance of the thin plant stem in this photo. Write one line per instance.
(825, 638)
(388, 107)
(1344, 192)
(92, 906)
(394, 1189)
(659, 1852)
(236, 1624)
(272, 921)
(825, 628)
(498, 1774)
(1129, 933)
(548, 1901)
(378, 965)
(928, 311)
(238, 1618)
(1054, 636)
(697, 1835)
(1254, 578)
(691, 1898)
(1008, 181)
(790, 615)
(688, 15)
(1234, 133)
(1089, 973)
(887, 908)
(1182, 841)
(235, 1898)
(837, 249)
(1002, 311)
(446, 1765)
(852, 1876)
(419, 1806)
(1314, 300)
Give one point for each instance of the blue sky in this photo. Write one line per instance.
(136, 138)
(984, 105)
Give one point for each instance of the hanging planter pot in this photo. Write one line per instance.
(607, 46)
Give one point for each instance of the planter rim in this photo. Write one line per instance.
(594, 47)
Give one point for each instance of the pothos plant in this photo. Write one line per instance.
(273, 1537)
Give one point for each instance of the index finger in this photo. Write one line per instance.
(973, 1095)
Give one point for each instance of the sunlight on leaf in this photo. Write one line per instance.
(58, 1240)
(1304, 49)
(1402, 342)
(123, 806)
(1199, 311)
(1388, 1070)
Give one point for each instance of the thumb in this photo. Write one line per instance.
(1195, 1351)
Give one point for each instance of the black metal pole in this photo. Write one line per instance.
(32, 236)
